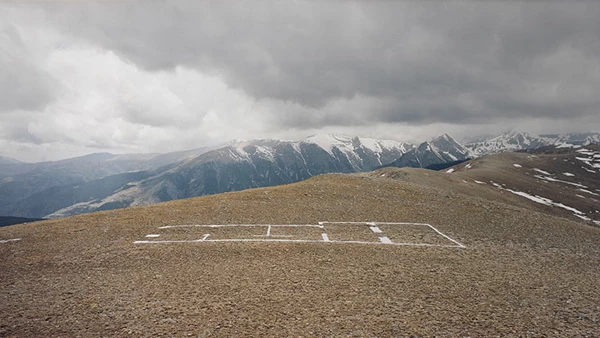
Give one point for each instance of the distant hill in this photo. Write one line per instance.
(106, 181)
(9, 220)
(558, 180)
(250, 164)
(516, 140)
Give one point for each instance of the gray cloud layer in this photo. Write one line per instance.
(23, 84)
(267, 66)
(460, 62)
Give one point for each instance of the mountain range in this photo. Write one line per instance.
(516, 140)
(105, 181)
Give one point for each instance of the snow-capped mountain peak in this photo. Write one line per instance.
(329, 141)
(509, 141)
(355, 149)
(442, 149)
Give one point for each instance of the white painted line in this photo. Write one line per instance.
(296, 241)
(276, 236)
(377, 223)
(269, 231)
(181, 241)
(205, 237)
(152, 235)
(376, 230)
(10, 240)
(385, 240)
(325, 238)
(237, 225)
(450, 239)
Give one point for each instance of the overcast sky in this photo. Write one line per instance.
(156, 76)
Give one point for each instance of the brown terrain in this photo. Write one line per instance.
(510, 266)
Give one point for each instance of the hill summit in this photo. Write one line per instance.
(393, 252)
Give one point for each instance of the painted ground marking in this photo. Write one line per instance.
(270, 237)
(385, 240)
(10, 240)
(376, 230)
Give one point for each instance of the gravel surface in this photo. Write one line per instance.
(523, 273)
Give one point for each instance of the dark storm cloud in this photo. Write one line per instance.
(457, 62)
(23, 84)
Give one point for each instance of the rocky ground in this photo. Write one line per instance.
(524, 271)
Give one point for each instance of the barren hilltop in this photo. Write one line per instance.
(497, 246)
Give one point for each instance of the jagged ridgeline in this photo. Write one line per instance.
(106, 181)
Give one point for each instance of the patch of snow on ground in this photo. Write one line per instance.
(468, 166)
(516, 165)
(589, 192)
(588, 219)
(568, 174)
(479, 182)
(580, 196)
(545, 178)
(496, 185)
(543, 200)
(450, 171)
(546, 201)
(541, 171)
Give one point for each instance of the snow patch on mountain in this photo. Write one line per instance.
(353, 148)
(517, 140)
(443, 149)
(509, 141)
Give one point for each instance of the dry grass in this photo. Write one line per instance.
(523, 273)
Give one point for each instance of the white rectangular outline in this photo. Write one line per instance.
(382, 240)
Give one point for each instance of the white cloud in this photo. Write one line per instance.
(106, 103)
(163, 76)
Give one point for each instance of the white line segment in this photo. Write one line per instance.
(10, 240)
(376, 230)
(376, 223)
(385, 240)
(325, 238)
(238, 225)
(448, 238)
